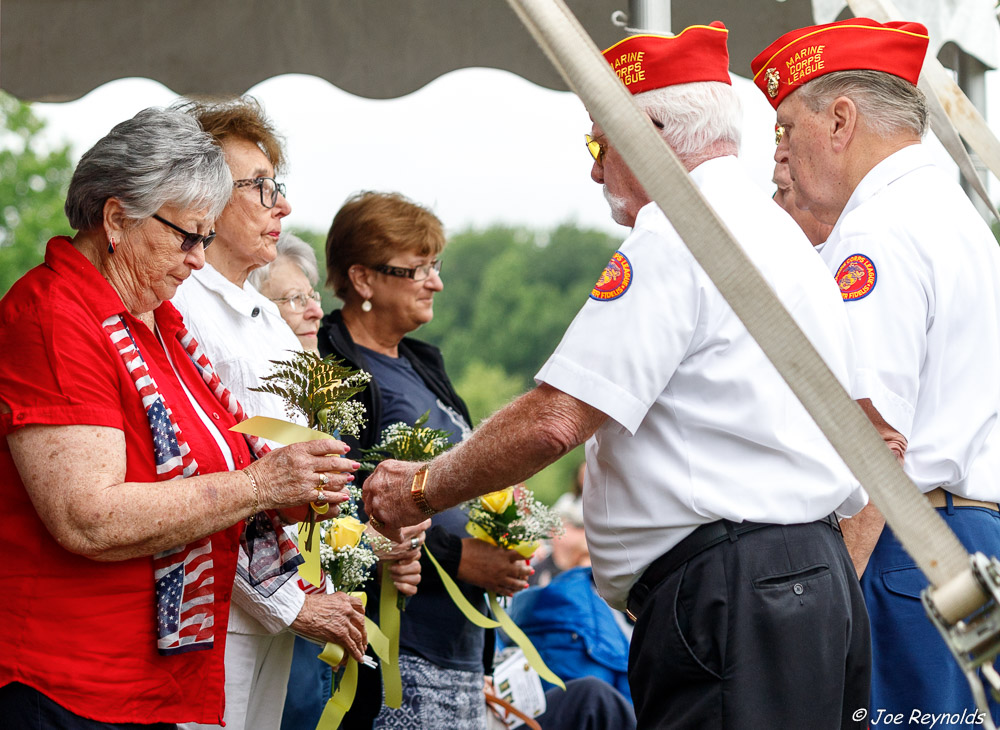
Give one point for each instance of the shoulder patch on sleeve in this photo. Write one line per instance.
(856, 277)
(615, 279)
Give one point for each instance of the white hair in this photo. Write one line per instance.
(294, 249)
(700, 117)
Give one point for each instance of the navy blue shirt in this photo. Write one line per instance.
(431, 626)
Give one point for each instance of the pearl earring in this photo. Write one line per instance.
(366, 305)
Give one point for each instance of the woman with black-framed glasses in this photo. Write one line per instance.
(382, 258)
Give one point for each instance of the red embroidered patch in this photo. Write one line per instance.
(856, 277)
(615, 279)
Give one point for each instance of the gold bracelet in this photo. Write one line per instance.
(417, 491)
(256, 492)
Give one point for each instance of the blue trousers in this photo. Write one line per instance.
(912, 669)
(309, 685)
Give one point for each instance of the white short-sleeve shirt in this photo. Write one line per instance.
(920, 272)
(701, 426)
(242, 331)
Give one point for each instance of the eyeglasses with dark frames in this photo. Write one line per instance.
(190, 239)
(597, 149)
(299, 302)
(268, 186)
(418, 273)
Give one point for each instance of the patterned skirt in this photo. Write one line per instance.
(435, 698)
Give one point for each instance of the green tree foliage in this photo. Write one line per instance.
(509, 294)
(317, 239)
(33, 184)
(485, 388)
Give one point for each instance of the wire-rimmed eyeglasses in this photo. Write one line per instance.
(299, 302)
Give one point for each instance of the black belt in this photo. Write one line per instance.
(697, 542)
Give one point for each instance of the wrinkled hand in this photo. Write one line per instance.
(334, 617)
(387, 497)
(405, 574)
(491, 567)
(403, 550)
(293, 475)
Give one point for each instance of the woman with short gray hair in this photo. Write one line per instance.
(125, 494)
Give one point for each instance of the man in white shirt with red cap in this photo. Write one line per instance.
(919, 271)
(710, 492)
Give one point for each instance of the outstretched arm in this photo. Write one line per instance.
(515, 443)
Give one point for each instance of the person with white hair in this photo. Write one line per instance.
(710, 493)
(289, 282)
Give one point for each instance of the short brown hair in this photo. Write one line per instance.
(238, 118)
(371, 227)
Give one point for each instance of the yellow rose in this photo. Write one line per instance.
(344, 532)
(498, 502)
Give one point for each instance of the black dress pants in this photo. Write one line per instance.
(768, 630)
(25, 708)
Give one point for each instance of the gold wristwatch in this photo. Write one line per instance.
(417, 491)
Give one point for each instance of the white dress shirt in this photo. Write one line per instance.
(701, 426)
(242, 331)
(928, 332)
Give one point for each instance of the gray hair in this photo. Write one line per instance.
(696, 117)
(888, 104)
(156, 158)
(295, 250)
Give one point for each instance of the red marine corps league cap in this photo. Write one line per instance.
(847, 45)
(647, 62)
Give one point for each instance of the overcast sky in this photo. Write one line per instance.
(479, 146)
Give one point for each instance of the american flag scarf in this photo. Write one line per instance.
(184, 576)
(253, 564)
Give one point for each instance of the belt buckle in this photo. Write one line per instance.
(637, 597)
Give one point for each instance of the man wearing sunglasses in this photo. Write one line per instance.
(710, 493)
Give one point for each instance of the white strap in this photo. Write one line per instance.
(933, 546)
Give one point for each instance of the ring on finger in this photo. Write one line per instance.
(376, 523)
(323, 480)
(414, 543)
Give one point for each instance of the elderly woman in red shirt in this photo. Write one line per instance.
(125, 494)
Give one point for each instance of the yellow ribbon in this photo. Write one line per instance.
(284, 432)
(524, 549)
(333, 654)
(461, 602)
(311, 570)
(388, 618)
(505, 622)
(520, 638)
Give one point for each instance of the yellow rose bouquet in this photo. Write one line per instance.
(346, 551)
(513, 519)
